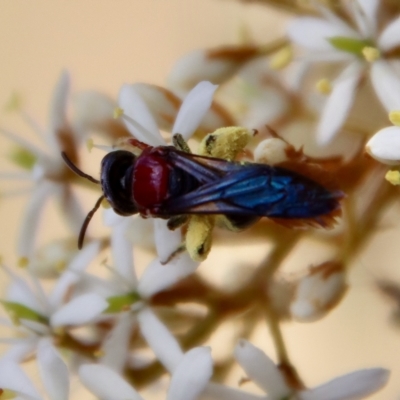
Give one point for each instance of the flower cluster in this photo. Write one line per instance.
(211, 150)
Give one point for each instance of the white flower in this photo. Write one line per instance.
(362, 49)
(40, 315)
(187, 381)
(265, 374)
(142, 125)
(53, 372)
(128, 291)
(49, 175)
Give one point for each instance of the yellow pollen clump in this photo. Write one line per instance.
(281, 58)
(393, 177)
(324, 86)
(371, 54)
(23, 262)
(118, 111)
(394, 117)
(89, 144)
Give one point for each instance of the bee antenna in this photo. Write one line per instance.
(87, 220)
(75, 169)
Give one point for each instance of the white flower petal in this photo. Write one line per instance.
(20, 141)
(162, 103)
(191, 375)
(34, 326)
(386, 84)
(21, 350)
(162, 342)
(194, 108)
(353, 386)
(214, 391)
(111, 218)
(58, 107)
(390, 37)
(122, 254)
(197, 66)
(166, 241)
(106, 384)
(91, 109)
(81, 310)
(384, 146)
(73, 273)
(261, 369)
(313, 33)
(143, 126)
(12, 377)
(31, 218)
(71, 209)
(20, 292)
(158, 277)
(116, 345)
(338, 103)
(364, 12)
(53, 371)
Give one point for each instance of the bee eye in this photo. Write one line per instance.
(116, 181)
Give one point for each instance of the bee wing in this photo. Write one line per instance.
(204, 169)
(258, 189)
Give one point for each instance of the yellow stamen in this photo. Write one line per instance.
(105, 203)
(371, 54)
(393, 177)
(324, 86)
(60, 265)
(89, 144)
(118, 111)
(14, 103)
(281, 58)
(98, 353)
(394, 117)
(23, 262)
(6, 394)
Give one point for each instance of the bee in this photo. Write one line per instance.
(198, 190)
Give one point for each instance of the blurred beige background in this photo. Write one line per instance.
(107, 43)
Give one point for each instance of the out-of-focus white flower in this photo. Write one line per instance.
(330, 39)
(266, 375)
(256, 96)
(53, 372)
(187, 381)
(40, 315)
(318, 292)
(49, 174)
(214, 65)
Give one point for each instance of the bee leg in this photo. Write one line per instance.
(179, 142)
(176, 221)
(174, 254)
(225, 143)
(199, 236)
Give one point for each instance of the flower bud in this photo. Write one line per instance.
(271, 151)
(384, 146)
(318, 292)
